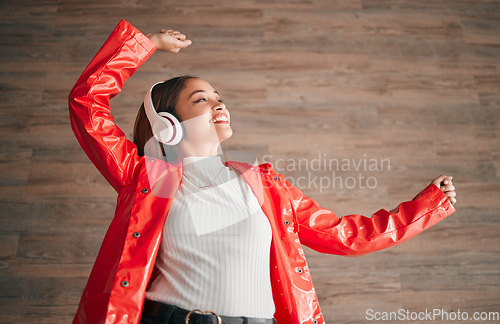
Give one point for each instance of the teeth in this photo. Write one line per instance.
(220, 118)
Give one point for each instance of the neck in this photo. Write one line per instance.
(193, 150)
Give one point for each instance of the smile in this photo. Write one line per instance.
(221, 118)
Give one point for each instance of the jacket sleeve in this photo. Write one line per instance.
(122, 54)
(323, 231)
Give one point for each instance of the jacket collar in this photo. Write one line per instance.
(165, 177)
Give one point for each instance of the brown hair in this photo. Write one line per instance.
(165, 97)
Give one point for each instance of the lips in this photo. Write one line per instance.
(220, 119)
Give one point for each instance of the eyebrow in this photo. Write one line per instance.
(196, 91)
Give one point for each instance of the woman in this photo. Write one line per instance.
(231, 243)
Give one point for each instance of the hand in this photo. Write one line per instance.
(169, 40)
(444, 183)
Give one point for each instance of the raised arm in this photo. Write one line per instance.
(122, 54)
(323, 231)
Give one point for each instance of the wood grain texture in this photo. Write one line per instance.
(416, 83)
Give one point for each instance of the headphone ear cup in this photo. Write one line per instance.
(171, 132)
(165, 127)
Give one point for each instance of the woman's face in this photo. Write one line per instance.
(204, 116)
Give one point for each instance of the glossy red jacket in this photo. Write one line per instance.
(116, 287)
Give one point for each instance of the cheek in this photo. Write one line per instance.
(198, 126)
(188, 112)
(183, 114)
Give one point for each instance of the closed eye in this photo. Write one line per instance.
(204, 99)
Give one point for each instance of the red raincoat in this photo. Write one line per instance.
(116, 288)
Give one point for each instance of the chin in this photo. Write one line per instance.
(224, 135)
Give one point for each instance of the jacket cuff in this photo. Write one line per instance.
(437, 195)
(433, 197)
(432, 193)
(144, 44)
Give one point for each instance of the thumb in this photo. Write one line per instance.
(437, 182)
(183, 43)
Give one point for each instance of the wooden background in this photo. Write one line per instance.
(413, 82)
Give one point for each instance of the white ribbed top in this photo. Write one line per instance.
(215, 250)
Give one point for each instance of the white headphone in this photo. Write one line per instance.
(166, 128)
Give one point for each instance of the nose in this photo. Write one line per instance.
(219, 106)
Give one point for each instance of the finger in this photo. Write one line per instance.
(166, 32)
(180, 36)
(453, 201)
(448, 188)
(450, 194)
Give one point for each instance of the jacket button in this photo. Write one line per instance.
(299, 270)
(276, 178)
(137, 234)
(315, 322)
(145, 190)
(124, 283)
(286, 222)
